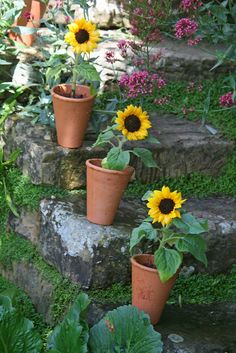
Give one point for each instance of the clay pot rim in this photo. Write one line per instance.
(89, 163)
(143, 267)
(68, 99)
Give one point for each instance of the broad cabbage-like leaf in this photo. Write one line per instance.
(125, 330)
(16, 334)
(71, 335)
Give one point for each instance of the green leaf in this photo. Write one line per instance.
(145, 230)
(167, 262)
(72, 334)
(24, 30)
(193, 244)
(125, 329)
(117, 159)
(190, 225)
(87, 71)
(147, 195)
(104, 137)
(152, 139)
(16, 334)
(146, 157)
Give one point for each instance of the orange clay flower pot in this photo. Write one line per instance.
(148, 292)
(105, 188)
(37, 10)
(71, 114)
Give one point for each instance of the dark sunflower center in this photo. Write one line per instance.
(132, 123)
(82, 36)
(166, 206)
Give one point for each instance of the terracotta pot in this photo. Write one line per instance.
(71, 114)
(37, 9)
(148, 292)
(105, 188)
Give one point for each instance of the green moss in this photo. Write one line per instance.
(25, 194)
(23, 304)
(196, 289)
(16, 249)
(196, 184)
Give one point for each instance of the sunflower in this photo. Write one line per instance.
(83, 36)
(133, 123)
(164, 205)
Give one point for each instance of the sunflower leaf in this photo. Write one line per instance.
(146, 157)
(147, 195)
(145, 230)
(88, 72)
(194, 244)
(190, 225)
(167, 262)
(117, 159)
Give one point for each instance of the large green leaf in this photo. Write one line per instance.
(87, 71)
(167, 262)
(16, 334)
(194, 244)
(71, 335)
(145, 230)
(125, 330)
(146, 157)
(190, 225)
(117, 159)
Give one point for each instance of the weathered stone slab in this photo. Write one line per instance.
(184, 148)
(97, 256)
(28, 277)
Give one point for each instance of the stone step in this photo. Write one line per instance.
(97, 256)
(190, 328)
(184, 148)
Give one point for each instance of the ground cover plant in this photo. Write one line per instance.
(125, 328)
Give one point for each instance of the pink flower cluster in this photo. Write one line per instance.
(28, 16)
(194, 41)
(227, 100)
(123, 46)
(185, 27)
(59, 3)
(192, 86)
(141, 83)
(110, 57)
(190, 5)
(162, 101)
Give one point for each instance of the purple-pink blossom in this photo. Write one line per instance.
(123, 46)
(28, 16)
(185, 27)
(194, 41)
(110, 57)
(59, 3)
(190, 5)
(141, 83)
(227, 100)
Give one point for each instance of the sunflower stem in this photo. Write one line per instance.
(75, 74)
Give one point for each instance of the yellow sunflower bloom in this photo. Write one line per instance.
(82, 36)
(133, 123)
(164, 205)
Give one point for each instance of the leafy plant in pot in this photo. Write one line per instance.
(73, 103)
(28, 22)
(108, 178)
(178, 232)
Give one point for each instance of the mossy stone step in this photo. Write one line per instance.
(184, 148)
(97, 256)
(195, 328)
